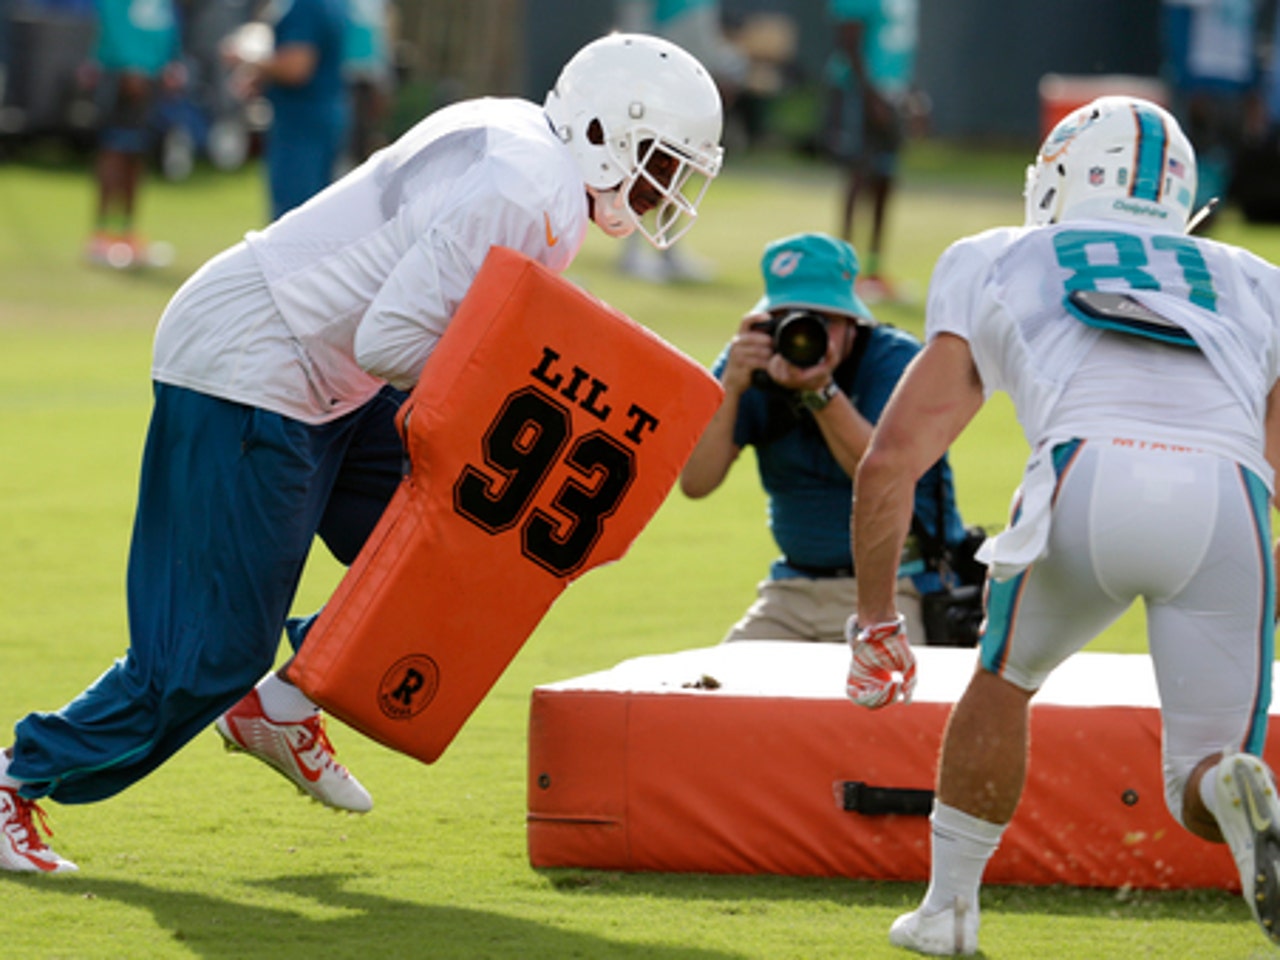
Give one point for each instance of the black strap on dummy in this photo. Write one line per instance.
(863, 798)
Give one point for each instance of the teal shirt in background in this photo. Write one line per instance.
(138, 36)
(365, 50)
(321, 24)
(889, 42)
(665, 11)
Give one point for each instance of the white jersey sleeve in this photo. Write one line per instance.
(355, 287)
(419, 296)
(960, 300)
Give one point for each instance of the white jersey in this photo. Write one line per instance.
(311, 316)
(1005, 292)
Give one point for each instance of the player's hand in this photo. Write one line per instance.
(882, 668)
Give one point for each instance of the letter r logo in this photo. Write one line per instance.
(408, 687)
(411, 684)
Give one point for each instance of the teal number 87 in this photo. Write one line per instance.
(1071, 247)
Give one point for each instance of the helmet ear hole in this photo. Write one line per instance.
(595, 132)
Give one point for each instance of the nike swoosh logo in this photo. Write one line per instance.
(306, 768)
(552, 239)
(1261, 821)
(310, 772)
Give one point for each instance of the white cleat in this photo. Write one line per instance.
(301, 751)
(952, 932)
(1249, 817)
(21, 849)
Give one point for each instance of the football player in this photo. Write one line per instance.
(278, 369)
(1143, 364)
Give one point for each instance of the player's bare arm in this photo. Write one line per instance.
(938, 395)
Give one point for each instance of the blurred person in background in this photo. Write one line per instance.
(810, 418)
(695, 26)
(278, 371)
(1143, 366)
(370, 75)
(301, 77)
(137, 58)
(870, 103)
(1212, 66)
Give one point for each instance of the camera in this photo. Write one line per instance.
(952, 617)
(799, 336)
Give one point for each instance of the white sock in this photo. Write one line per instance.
(5, 779)
(283, 702)
(1209, 790)
(961, 846)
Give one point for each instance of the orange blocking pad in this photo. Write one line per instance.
(545, 432)
(739, 759)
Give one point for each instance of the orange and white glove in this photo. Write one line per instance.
(883, 668)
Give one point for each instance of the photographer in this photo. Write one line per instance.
(810, 419)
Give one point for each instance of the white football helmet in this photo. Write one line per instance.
(1117, 158)
(637, 110)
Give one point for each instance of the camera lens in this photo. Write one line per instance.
(801, 338)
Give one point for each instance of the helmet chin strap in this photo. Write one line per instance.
(609, 211)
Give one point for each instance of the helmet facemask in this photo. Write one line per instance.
(665, 188)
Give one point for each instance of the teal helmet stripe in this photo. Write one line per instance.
(1153, 142)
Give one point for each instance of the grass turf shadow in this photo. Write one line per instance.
(361, 925)
(1213, 906)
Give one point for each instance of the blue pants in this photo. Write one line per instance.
(128, 108)
(231, 498)
(302, 156)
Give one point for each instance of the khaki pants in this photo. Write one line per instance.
(816, 610)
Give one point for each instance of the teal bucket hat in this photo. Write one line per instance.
(811, 271)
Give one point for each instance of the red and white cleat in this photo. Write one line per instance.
(301, 751)
(21, 849)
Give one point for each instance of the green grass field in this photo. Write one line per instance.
(215, 857)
